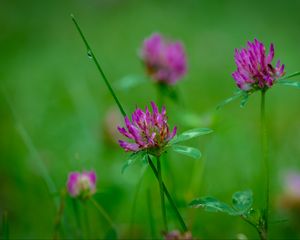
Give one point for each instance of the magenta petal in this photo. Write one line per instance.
(129, 146)
(271, 54)
(92, 176)
(72, 183)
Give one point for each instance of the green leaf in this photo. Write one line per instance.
(242, 201)
(289, 76)
(132, 159)
(290, 83)
(188, 151)
(211, 204)
(245, 98)
(190, 134)
(129, 82)
(237, 95)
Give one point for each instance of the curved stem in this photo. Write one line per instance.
(92, 55)
(266, 170)
(180, 219)
(103, 213)
(162, 196)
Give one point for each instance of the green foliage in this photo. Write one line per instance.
(242, 201)
(245, 98)
(289, 76)
(130, 81)
(237, 95)
(133, 158)
(188, 151)
(289, 83)
(241, 204)
(189, 135)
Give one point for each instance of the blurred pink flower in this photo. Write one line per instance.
(147, 130)
(81, 184)
(165, 61)
(290, 198)
(113, 118)
(176, 235)
(254, 68)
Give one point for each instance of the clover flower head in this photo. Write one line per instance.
(81, 185)
(148, 131)
(165, 61)
(254, 67)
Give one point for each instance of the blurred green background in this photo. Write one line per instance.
(54, 111)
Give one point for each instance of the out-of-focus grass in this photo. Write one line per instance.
(61, 103)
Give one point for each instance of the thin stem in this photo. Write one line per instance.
(180, 219)
(162, 196)
(92, 55)
(266, 170)
(103, 213)
(259, 231)
(59, 216)
(151, 221)
(77, 218)
(86, 221)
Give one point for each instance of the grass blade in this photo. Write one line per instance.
(92, 56)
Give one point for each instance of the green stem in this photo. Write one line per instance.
(59, 215)
(103, 213)
(77, 218)
(180, 219)
(162, 196)
(151, 221)
(92, 55)
(260, 231)
(86, 221)
(266, 170)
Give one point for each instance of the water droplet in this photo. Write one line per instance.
(90, 55)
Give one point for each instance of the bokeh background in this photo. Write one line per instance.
(57, 115)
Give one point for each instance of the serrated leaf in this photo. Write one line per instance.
(211, 204)
(289, 76)
(190, 134)
(289, 83)
(188, 151)
(230, 99)
(242, 201)
(132, 159)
